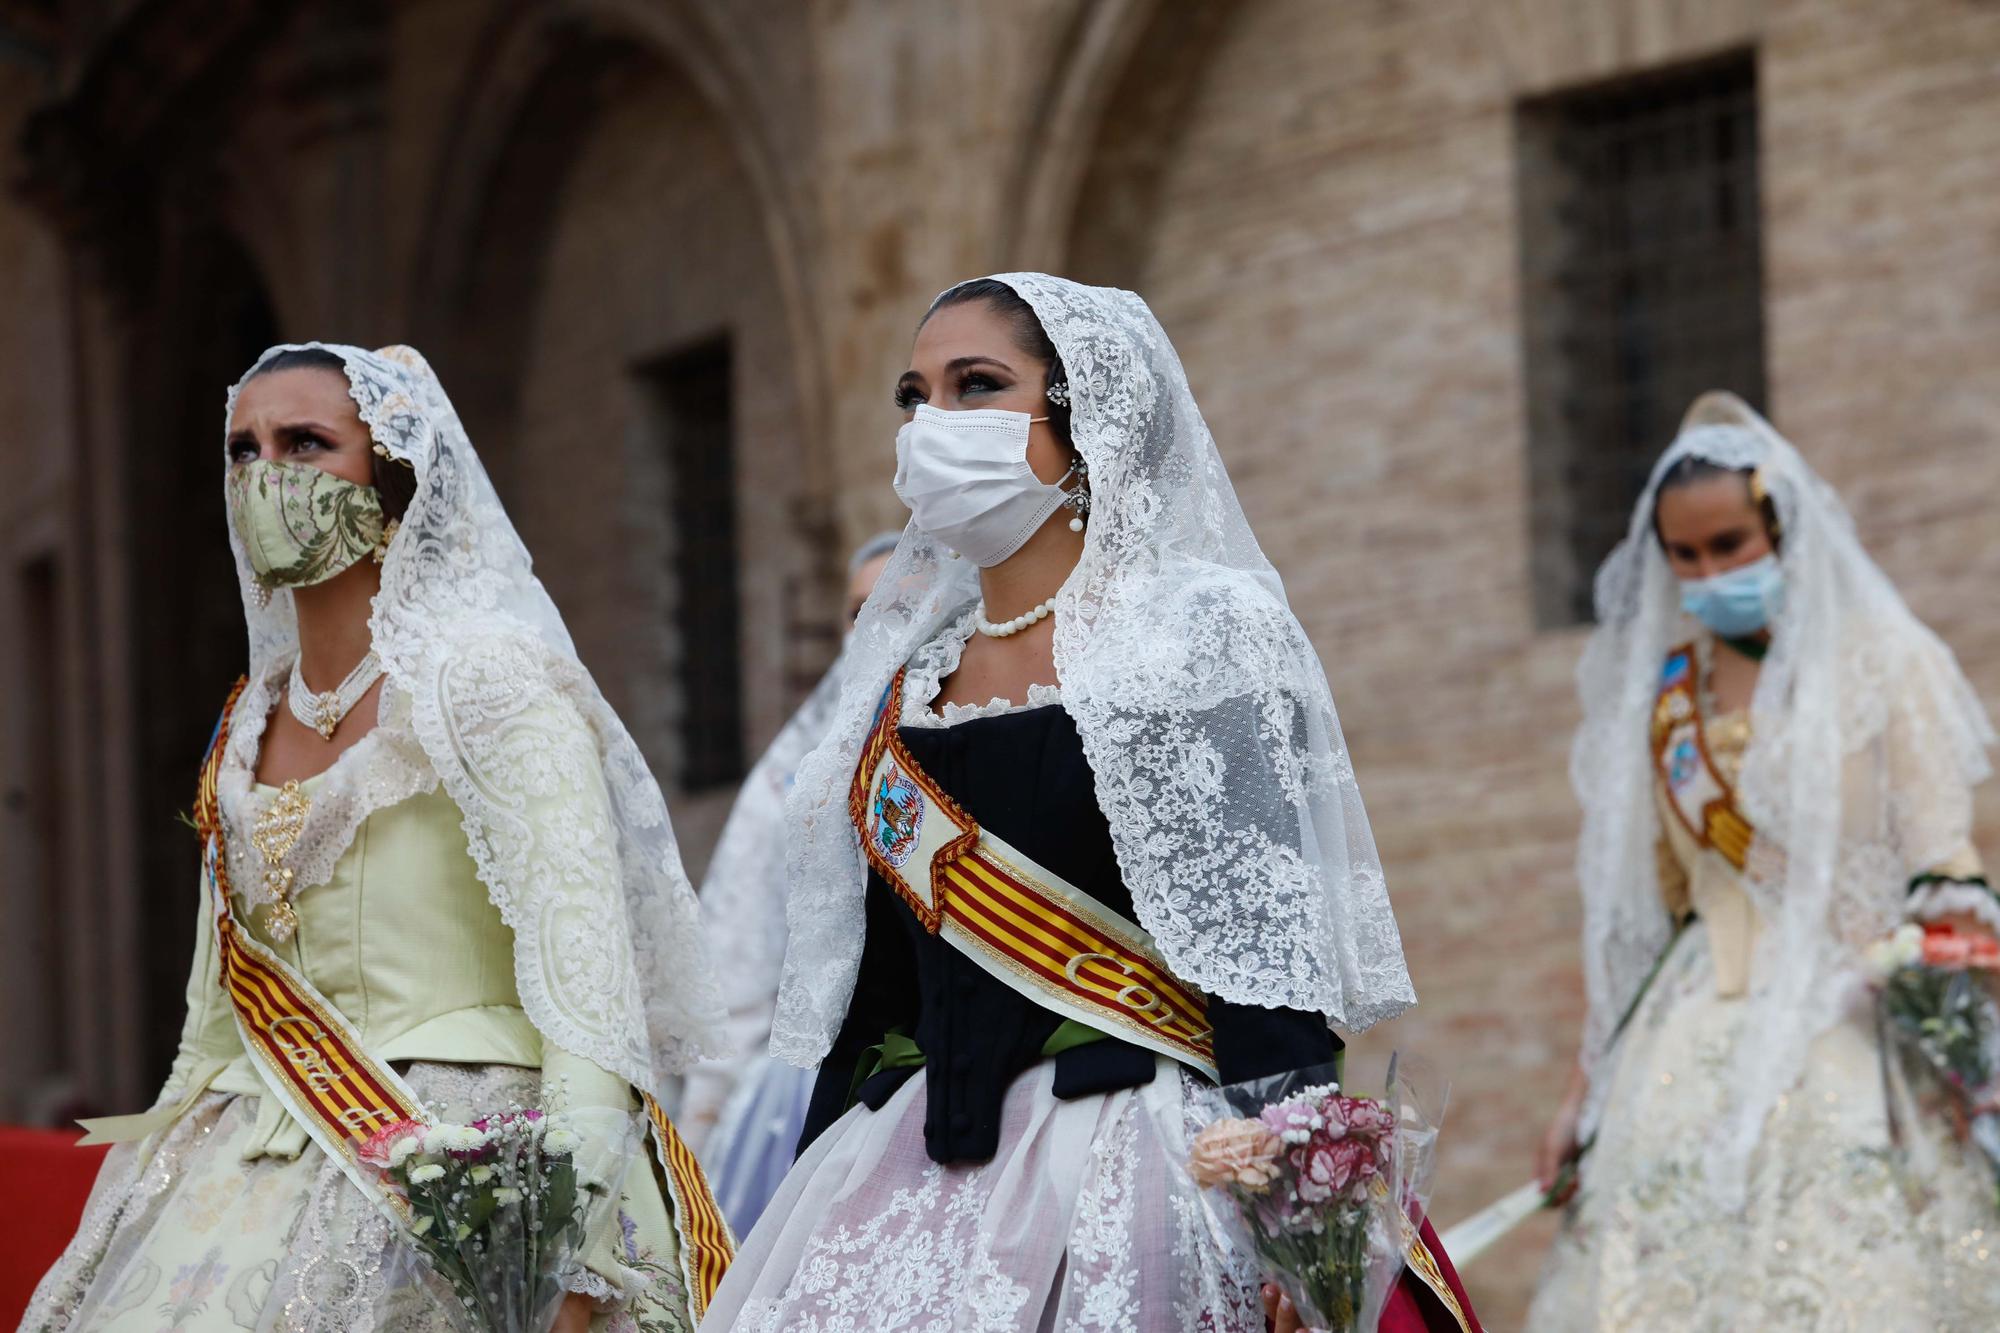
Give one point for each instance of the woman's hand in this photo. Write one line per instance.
(574, 1316)
(1559, 1145)
(1279, 1314)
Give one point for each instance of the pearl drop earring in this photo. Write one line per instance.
(1078, 500)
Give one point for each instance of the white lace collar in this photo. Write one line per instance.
(383, 768)
(929, 666)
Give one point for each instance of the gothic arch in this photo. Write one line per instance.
(530, 91)
(1109, 116)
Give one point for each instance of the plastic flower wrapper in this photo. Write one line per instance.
(1324, 1187)
(1934, 997)
(502, 1204)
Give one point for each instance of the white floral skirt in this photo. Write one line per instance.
(1084, 1220)
(181, 1235)
(1840, 1230)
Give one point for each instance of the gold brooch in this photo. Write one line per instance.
(274, 835)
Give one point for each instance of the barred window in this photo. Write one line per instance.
(1642, 286)
(689, 397)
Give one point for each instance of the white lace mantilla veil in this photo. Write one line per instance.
(608, 951)
(740, 893)
(1866, 742)
(1203, 710)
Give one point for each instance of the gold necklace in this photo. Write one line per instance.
(274, 835)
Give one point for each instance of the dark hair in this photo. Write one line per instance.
(1688, 470)
(1029, 335)
(395, 482)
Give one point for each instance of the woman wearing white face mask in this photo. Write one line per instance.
(1776, 766)
(1076, 702)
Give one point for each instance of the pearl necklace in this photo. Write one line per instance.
(1006, 627)
(325, 712)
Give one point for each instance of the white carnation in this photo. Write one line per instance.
(454, 1138)
(1904, 947)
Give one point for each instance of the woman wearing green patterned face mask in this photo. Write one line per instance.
(314, 506)
(436, 879)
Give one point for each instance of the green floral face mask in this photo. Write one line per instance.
(301, 525)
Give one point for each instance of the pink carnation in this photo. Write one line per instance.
(1367, 1119)
(374, 1150)
(1243, 1153)
(1297, 1121)
(1329, 1169)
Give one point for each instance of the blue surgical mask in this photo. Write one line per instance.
(1737, 602)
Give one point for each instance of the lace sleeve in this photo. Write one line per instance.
(1926, 796)
(579, 1087)
(516, 752)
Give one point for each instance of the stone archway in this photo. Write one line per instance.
(609, 225)
(1110, 116)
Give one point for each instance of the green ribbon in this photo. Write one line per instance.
(898, 1050)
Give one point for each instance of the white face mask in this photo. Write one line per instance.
(966, 479)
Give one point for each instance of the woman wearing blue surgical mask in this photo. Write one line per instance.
(1077, 706)
(1776, 768)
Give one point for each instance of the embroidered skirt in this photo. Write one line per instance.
(1840, 1231)
(182, 1234)
(1085, 1219)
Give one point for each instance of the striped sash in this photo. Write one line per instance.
(707, 1247)
(1042, 936)
(308, 1055)
(313, 1061)
(1702, 799)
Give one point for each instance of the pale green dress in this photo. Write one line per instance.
(220, 1214)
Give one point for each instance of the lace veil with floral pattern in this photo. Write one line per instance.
(565, 822)
(1203, 710)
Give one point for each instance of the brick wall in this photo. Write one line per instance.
(1333, 251)
(654, 249)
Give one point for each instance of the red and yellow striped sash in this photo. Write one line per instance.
(706, 1244)
(308, 1054)
(315, 1063)
(1702, 798)
(1024, 925)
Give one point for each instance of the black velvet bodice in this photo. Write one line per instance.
(1023, 776)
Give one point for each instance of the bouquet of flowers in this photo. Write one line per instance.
(499, 1206)
(1932, 997)
(1321, 1186)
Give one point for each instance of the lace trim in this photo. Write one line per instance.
(383, 768)
(1934, 902)
(605, 1294)
(938, 659)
